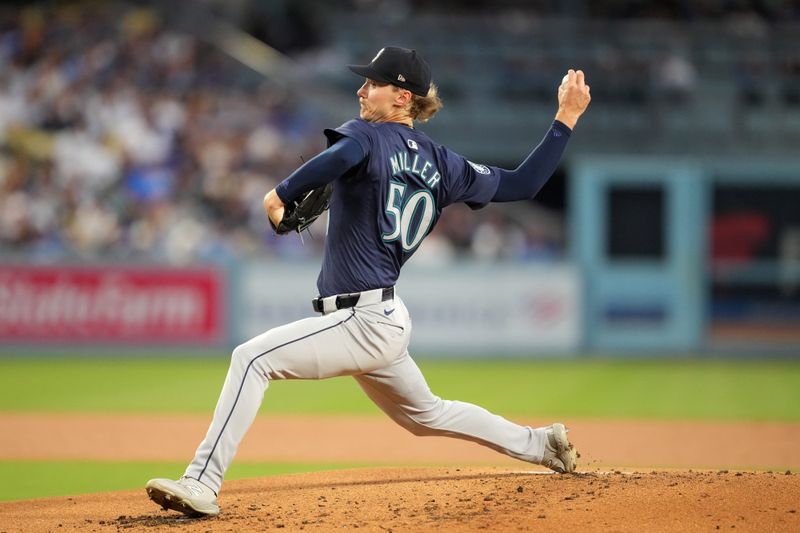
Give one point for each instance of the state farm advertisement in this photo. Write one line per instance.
(139, 305)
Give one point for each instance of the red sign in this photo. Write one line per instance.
(109, 304)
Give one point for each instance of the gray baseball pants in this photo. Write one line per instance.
(370, 343)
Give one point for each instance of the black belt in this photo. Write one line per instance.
(345, 301)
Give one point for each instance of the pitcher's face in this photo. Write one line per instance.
(377, 100)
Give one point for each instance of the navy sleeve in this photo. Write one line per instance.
(471, 183)
(357, 129)
(527, 179)
(322, 169)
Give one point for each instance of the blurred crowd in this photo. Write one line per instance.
(770, 10)
(658, 53)
(122, 139)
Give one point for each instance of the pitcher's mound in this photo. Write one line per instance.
(448, 499)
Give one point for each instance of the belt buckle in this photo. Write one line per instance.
(347, 301)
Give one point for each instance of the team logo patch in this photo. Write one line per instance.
(480, 169)
(413, 144)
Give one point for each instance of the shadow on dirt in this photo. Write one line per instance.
(125, 522)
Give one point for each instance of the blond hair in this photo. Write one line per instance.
(422, 108)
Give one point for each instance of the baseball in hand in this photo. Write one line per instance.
(565, 79)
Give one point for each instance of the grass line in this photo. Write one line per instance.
(40, 479)
(588, 388)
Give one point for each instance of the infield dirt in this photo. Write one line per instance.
(614, 491)
(448, 499)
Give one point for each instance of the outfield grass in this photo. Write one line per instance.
(41, 479)
(589, 388)
(657, 389)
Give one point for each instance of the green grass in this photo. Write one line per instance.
(586, 388)
(41, 479)
(597, 388)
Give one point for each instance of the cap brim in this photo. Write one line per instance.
(368, 72)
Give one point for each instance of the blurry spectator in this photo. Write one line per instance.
(747, 21)
(92, 229)
(675, 78)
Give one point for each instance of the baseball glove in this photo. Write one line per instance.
(301, 213)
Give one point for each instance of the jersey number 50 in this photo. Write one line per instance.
(403, 212)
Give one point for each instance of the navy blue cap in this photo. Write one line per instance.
(399, 66)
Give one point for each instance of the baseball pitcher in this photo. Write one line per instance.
(387, 184)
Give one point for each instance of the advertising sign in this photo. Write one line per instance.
(470, 310)
(111, 304)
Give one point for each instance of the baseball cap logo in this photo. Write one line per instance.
(400, 77)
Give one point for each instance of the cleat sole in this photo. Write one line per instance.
(169, 501)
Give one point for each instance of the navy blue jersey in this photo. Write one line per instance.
(383, 208)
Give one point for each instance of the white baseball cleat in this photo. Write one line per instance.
(186, 495)
(559, 453)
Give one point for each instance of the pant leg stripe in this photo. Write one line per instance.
(241, 386)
